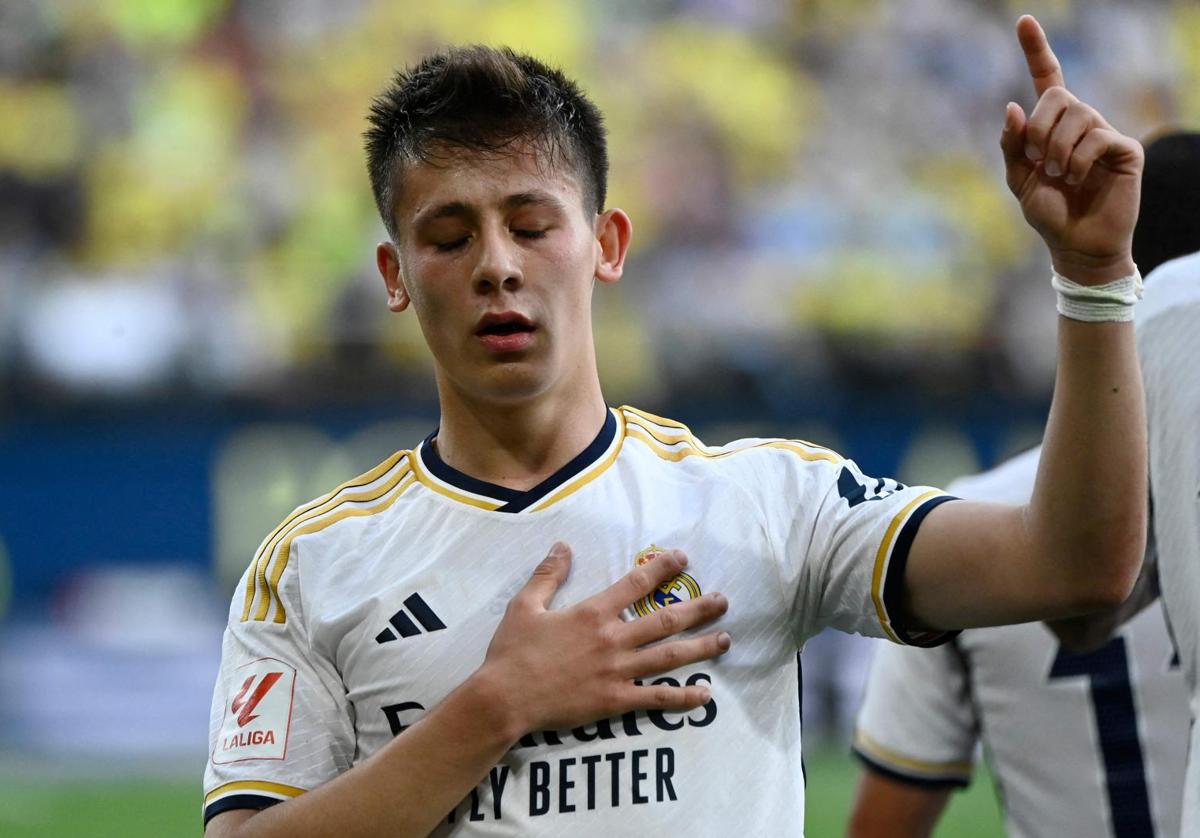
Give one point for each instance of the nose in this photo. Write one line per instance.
(498, 266)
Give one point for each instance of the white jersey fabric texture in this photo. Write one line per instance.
(1168, 330)
(366, 607)
(1080, 746)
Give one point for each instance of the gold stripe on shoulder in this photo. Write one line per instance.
(256, 585)
(266, 590)
(658, 420)
(885, 549)
(285, 549)
(671, 455)
(268, 543)
(252, 785)
(654, 437)
(803, 449)
(933, 769)
(674, 437)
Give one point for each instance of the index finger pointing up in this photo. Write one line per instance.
(1043, 64)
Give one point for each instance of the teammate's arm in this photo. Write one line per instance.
(1077, 545)
(885, 807)
(544, 669)
(915, 736)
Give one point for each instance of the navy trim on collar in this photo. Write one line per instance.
(515, 500)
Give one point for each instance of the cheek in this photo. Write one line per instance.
(574, 258)
(433, 310)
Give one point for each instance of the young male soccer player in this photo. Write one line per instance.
(390, 667)
(1115, 711)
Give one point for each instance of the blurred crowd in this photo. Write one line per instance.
(818, 201)
(816, 186)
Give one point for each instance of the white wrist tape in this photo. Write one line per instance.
(1111, 302)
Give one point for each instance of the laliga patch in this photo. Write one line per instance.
(258, 715)
(678, 589)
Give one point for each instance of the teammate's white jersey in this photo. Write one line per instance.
(367, 607)
(1168, 337)
(1084, 745)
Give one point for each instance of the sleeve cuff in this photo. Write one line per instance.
(903, 532)
(246, 794)
(238, 801)
(910, 779)
(908, 769)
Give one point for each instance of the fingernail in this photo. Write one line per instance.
(1071, 179)
(705, 695)
(718, 598)
(724, 640)
(558, 550)
(1052, 168)
(1032, 152)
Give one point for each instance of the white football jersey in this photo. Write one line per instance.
(1168, 330)
(366, 607)
(1080, 745)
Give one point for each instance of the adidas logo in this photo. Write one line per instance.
(403, 624)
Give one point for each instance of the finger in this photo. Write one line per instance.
(1043, 65)
(661, 697)
(1018, 168)
(547, 577)
(668, 656)
(1046, 114)
(1012, 136)
(674, 618)
(1123, 152)
(1075, 122)
(640, 581)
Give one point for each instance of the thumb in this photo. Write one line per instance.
(549, 575)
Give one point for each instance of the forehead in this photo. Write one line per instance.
(481, 181)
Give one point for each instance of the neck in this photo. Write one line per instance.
(517, 445)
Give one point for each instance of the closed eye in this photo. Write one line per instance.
(446, 247)
(530, 234)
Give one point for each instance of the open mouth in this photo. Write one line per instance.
(503, 324)
(506, 332)
(511, 327)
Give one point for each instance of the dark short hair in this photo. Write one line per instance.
(1169, 216)
(482, 100)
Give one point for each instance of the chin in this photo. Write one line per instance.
(508, 382)
(516, 382)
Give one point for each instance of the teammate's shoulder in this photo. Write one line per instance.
(1009, 482)
(1172, 284)
(674, 442)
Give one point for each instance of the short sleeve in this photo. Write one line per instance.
(280, 723)
(842, 540)
(917, 723)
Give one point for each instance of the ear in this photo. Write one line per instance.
(613, 232)
(387, 259)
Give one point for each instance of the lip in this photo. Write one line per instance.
(503, 344)
(503, 318)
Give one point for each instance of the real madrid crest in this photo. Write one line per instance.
(681, 588)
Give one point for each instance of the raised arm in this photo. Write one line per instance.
(1077, 545)
(544, 670)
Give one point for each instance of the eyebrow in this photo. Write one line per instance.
(535, 198)
(459, 209)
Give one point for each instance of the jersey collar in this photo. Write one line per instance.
(446, 480)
